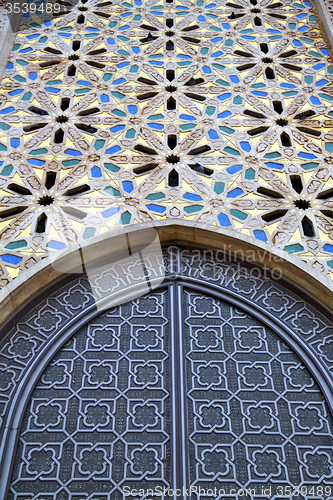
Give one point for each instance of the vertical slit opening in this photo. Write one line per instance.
(81, 19)
(308, 228)
(171, 103)
(285, 140)
(170, 45)
(257, 21)
(269, 74)
(41, 224)
(170, 74)
(64, 103)
(71, 70)
(50, 179)
(76, 45)
(172, 141)
(173, 180)
(296, 183)
(59, 136)
(278, 108)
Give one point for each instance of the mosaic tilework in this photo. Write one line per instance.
(119, 112)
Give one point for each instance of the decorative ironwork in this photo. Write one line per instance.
(99, 417)
(255, 415)
(217, 334)
(104, 400)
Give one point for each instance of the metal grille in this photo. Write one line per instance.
(256, 417)
(96, 421)
(108, 412)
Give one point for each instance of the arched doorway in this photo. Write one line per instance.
(210, 381)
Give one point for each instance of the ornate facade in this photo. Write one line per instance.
(209, 123)
(116, 113)
(218, 379)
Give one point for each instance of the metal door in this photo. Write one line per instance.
(175, 394)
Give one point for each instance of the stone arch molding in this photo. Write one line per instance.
(47, 321)
(80, 258)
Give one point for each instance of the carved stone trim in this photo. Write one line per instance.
(33, 280)
(8, 26)
(325, 12)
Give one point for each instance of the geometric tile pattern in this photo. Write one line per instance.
(115, 113)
